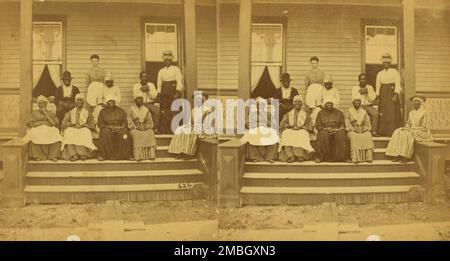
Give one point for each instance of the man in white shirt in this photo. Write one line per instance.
(170, 86)
(367, 95)
(149, 92)
(388, 89)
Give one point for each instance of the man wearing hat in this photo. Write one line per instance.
(170, 86)
(65, 96)
(388, 89)
(285, 95)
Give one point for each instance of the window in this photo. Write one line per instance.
(267, 51)
(47, 50)
(379, 40)
(160, 37)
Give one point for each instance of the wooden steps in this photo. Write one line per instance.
(114, 177)
(330, 179)
(89, 181)
(99, 193)
(324, 167)
(317, 195)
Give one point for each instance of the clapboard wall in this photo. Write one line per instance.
(333, 33)
(113, 31)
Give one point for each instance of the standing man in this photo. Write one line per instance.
(149, 93)
(65, 96)
(285, 95)
(315, 76)
(388, 94)
(170, 86)
(366, 94)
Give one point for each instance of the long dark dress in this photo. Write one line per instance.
(332, 147)
(390, 113)
(114, 139)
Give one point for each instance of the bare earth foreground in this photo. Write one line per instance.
(200, 220)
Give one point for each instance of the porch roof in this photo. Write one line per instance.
(170, 2)
(419, 4)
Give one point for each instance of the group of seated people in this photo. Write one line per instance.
(339, 136)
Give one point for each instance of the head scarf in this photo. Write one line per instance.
(111, 97)
(298, 98)
(80, 96)
(41, 98)
(386, 57)
(328, 99)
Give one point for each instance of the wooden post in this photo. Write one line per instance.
(245, 48)
(191, 47)
(26, 57)
(231, 156)
(409, 53)
(15, 168)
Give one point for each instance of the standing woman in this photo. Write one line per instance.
(184, 141)
(401, 144)
(78, 125)
(95, 77)
(361, 143)
(388, 89)
(43, 133)
(140, 124)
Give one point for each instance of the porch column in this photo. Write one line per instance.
(409, 53)
(191, 47)
(26, 66)
(245, 48)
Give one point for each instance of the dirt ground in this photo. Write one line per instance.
(291, 217)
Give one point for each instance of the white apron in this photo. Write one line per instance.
(43, 135)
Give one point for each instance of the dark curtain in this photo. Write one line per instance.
(265, 87)
(45, 85)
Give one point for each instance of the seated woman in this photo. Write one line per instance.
(262, 140)
(401, 144)
(332, 141)
(184, 141)
(295, 144)
(140, 124)
(43, 133)
(77, 126)
(361, 143)
(114, 139)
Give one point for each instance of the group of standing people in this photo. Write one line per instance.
(123, 133)
(340, 135)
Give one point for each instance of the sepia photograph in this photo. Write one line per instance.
(224, 121)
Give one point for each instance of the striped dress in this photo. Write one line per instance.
(417, 129)
(184, 140)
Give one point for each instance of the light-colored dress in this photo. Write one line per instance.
(141, 129)
(94, 82)
(78, 142)
(44, 136)
(417, 129)
(361, 143)
(295, 143)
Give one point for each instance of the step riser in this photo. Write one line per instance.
(261, 199)
(353, 168)
(162, 154)
(114, 181)
(163, 141)
(113, 167)
(96, 197)
(379, 144)
(331, 182)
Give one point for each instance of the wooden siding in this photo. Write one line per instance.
(432, 51)
(331, 32)
(9, 46)
(206, 48)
